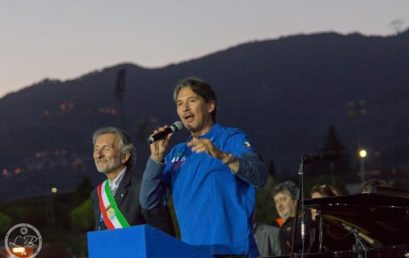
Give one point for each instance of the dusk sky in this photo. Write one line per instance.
(65, 39)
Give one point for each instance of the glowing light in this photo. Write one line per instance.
(19, 250)
(18, 171)
(362, 153)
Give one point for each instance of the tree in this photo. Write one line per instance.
(271, 169)
(265, 210)
(339, 166)
(82, 214)
(5, 222)
(82, 192)
(82, 217)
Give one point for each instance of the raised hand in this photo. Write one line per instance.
(205, 145)
(158, 148)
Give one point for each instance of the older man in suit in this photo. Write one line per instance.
(116, 200)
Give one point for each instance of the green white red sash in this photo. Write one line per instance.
(112, 216)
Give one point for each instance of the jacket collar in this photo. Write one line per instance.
(210, 134)
(123, 186)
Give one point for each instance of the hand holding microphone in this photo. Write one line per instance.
(160, 138)
(176, 126)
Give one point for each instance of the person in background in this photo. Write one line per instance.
(320, 191)
(267, 239)
(371, 185)
(332, 230)
(116, 199)
(211, 176)
(285, 200)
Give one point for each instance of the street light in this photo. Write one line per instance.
(357, 110)
(362, 153)
(51, 220)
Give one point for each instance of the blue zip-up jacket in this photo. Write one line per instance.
(214, 207)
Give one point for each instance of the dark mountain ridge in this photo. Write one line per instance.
(284, 93)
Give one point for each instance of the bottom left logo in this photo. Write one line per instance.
(23, 240)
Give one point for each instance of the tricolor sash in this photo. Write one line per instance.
(112, 216)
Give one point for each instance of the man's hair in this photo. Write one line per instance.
(124, 142)
(284, 187)
(199, 87)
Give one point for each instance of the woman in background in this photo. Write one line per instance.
(320, 191)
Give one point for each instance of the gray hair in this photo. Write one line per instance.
(124, 145)
(287, 186)
(199, 87)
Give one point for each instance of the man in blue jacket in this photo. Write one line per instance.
(211, 177)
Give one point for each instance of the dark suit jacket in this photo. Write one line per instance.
(127, 199)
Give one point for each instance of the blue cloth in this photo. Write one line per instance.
(214, 206)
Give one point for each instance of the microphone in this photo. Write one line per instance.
(323, 155)
(176, 126)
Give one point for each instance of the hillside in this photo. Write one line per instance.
(285, 93)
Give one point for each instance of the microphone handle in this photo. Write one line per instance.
(160, 135)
